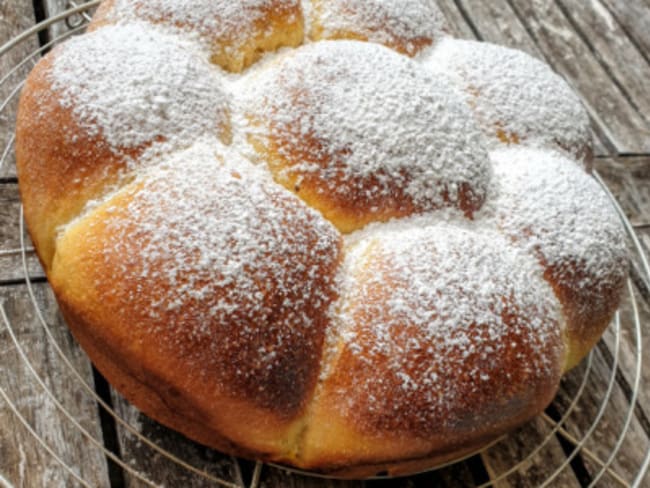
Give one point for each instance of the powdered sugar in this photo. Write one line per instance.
(220, 19)
(551, 206)
(233, 272)
(221, 228)
(233, 32)
(516, 98)
(411, 23)
(372, 113)
(135, 86)
(462, 303)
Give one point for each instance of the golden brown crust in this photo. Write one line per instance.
(299, 125)
(209, 374)
(588, 310)
(278, 23)
(398, 389)
(60, 166)
(348, 211)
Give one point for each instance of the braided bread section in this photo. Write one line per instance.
(88, 119)
(204, 287)
(363, 134)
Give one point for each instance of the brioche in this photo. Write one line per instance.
(320, 234)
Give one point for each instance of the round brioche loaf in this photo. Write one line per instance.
(322, 234)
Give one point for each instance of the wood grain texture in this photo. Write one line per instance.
(634, 18)
(22, 460)
(154, 466)
(534, 470)
(626, 65)
(11, 263)
(15, 17)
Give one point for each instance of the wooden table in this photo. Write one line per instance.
(602, 47)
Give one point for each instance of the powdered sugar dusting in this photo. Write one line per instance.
(515, 97)
(136, 86)
(412, 23)
(432, 316)
(233, 271)
(222, 228)
(371, 113)
(227, 20)
(438, 315)
(557, 211)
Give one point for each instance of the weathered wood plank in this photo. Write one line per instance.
(157, 468)
(11, 265)
(15, 17)
(634, 17)
(457, 23)
(629, 181)
(496, 22)
(626, 66)
(517, 447)
(22, 460)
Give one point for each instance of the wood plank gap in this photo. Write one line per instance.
(599, 58)
(8, 179)
(468, 19)
(577, 463)
(562, 432)
(478, 470)
(40, 16)
(629, 155)
(109, 430)
(22, 281)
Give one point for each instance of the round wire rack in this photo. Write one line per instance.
(587, 411)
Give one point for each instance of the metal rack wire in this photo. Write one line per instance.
(626, 323)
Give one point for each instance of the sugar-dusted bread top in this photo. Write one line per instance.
(323, 234)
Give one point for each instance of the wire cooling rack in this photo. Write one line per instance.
(566, 421)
